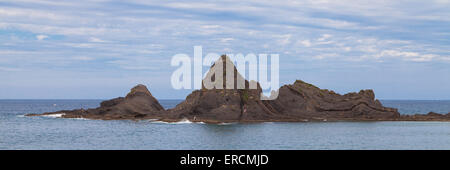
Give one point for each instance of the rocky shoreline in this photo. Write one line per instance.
(297, 102)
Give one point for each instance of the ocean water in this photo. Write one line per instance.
(19, 132)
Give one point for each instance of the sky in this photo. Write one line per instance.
(99, 49)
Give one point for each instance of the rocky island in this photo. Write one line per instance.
(297, 102)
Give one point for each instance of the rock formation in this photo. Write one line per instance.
(138, 104)
(306, 101)
(223, 104)
(431, 116)
(299, 101)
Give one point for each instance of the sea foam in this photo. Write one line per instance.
(182, 121)
(58, 115)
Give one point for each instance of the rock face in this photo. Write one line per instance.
(223, 104)
(139, 103)
(306, 101)
(299, 101)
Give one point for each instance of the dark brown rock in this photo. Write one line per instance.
(139, 103)
(222, 105)
(299, 101)
(304, 100)
(431, 116)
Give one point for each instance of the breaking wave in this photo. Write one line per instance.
(183, 121)
(58, 115)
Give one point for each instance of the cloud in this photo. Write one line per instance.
(364, 49)
(96, 40)
(395, 53)
(41, 37)
(324, 37)
(283, 39)
(226, 39)
(347, 49)
(305, 43)
(210, 26)
(410, 56)
(323, 56)
(105, 36)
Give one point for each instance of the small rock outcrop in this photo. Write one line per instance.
(431, 116)
(139, 103)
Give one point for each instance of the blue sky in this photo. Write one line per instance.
(99, 49)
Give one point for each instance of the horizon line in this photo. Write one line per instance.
(185, 99)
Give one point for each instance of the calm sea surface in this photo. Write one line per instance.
(19, 132)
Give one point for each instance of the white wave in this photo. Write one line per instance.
(182, 121)
(159, 122)
(20, 115)
(57, 115)
(79, 118)
(226, 123)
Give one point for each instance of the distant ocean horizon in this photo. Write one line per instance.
(20, 132)
(405, 106)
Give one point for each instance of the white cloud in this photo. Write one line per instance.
(41, 37)
(324, 37)
(347, 49)
(305, 43)
(325, 56)
(210, 26)
(28, 13)
(226, 39)
(396, 53)
(405, 55)
(96, 40)
(283, 39)
(423, 58)
(357, 49)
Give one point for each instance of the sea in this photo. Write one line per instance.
(18, 132)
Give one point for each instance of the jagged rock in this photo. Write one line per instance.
(299, 101)
(304, 100)
(222, 105)
(139, 103)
